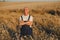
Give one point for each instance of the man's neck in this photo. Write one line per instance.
(26, 15)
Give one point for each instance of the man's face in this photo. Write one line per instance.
(26, 11)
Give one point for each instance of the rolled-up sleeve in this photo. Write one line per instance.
(31, 18)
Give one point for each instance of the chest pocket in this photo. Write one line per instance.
(27, 20)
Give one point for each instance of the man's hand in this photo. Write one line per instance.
(22, 23)
(29, 23)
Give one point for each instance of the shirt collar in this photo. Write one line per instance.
(27, 15)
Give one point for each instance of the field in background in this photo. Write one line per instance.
(46, 15)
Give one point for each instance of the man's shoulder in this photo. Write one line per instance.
(31, 16)
(23, 16)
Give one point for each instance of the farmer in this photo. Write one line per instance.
(26, 22)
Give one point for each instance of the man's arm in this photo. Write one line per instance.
(29, 23)
(22, 23)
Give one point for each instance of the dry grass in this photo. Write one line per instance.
(10, 13)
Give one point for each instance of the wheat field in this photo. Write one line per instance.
(46, 25)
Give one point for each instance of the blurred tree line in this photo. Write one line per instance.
(2, 0)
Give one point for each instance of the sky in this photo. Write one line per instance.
(29, 0)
